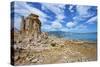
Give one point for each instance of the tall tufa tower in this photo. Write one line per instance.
(31, 25)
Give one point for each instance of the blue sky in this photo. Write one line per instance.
(58, 17)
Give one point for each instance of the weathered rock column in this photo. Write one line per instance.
(36, 26)
(31, 26)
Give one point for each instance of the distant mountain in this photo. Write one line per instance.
(84, 32)
(62, 34)
(57, 33)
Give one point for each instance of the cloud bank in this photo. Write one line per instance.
(58, 17)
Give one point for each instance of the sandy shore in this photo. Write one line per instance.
(57, 51)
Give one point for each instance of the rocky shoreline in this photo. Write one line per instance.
(55, 50)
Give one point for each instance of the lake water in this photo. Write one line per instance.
(84, 37)
(75, 36)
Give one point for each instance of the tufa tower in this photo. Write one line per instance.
(31, 25)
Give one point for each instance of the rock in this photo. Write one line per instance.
(31, 26)
(30, 38)
(34, 60)
(16, 58)
(53, 44)
(30, 33)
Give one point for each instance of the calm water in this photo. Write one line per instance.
(75, 36)
(85, 37)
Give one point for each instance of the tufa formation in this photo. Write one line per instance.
(30, 32)
(31, 25)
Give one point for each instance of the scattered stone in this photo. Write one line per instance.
(34, 60)
(53, 44)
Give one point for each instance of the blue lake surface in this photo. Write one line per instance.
(75, 36)
(84, 37)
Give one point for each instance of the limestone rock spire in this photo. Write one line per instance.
(31, 25)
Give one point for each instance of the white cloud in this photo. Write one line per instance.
(92, 20)
(71, 24)
(78, 18)
(79, 28)
(71, 8)
(43, 20)
(17, 21)
(23, 9)
(82, 26)
(83, 11)
(46, 27)
(56, 24)
(60, 17)
(57, 9)
(65, 29)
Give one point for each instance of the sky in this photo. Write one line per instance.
(56, 16)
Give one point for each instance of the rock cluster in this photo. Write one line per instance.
(30, 35)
